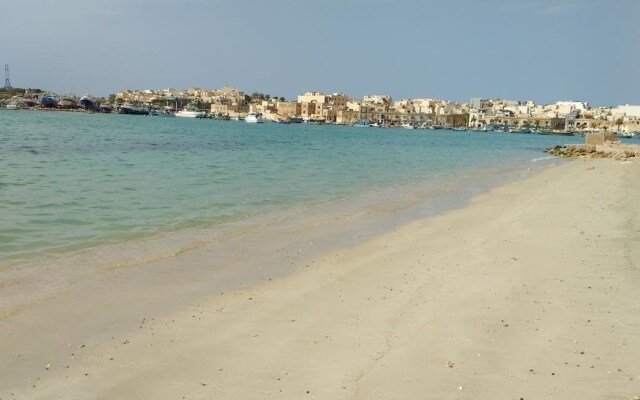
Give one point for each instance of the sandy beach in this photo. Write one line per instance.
(528, 292)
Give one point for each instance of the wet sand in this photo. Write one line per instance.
(528, 292)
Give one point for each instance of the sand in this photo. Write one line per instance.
(529, 292)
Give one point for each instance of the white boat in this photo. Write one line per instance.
(408, 126)
(12, 106)
(190, 114)
(190, 111)
(253, 118)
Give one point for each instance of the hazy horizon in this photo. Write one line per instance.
(541, 50)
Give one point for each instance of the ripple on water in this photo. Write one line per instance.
(68, 181)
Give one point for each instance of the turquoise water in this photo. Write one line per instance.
(70, 180)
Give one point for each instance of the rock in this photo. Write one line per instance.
(615, 151)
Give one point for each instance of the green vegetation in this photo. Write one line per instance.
(257, 97)
(10, 92)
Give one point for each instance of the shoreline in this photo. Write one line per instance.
(319, 228)
(331, 279)
(443, 187)
(81, 227)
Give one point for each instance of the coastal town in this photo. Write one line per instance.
(228, 103)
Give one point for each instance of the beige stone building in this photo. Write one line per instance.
(289, 109)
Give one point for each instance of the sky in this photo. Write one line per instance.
(541, 50)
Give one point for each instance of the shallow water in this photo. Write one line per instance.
(70, 181)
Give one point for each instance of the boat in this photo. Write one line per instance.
(88, 103)
(105, 108)
(12, 106)
(67, 103)
(220, 117)
(361, 124)
(48, 101)
(253, 118)
(283, 121)
(408, 126)
(190, 111)
(161, 113)
(132, 110)
(296, 120)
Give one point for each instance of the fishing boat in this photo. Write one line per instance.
(132, 110)
(161, 113)
(190, 111)
(361, 124)
(296, 120)
(253, 118)
(48, 101)
(88, 103)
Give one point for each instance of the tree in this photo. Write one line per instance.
(619, 123)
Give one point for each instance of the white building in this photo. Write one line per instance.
(629, 111)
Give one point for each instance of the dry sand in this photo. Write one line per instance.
(530, 292)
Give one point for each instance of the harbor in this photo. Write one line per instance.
(377, 111)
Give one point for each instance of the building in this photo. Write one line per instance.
(289, 109)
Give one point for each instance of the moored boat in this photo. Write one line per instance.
(253, 118)
(361, 124)
(190, 111)
(161, 113)
(132, 110)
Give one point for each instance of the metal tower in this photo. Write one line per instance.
(7, 84)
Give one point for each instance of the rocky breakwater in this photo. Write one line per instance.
(598, 145)
(615, 151)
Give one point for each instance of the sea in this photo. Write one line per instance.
(75, 181)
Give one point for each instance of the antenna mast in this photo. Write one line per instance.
(7, 84)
